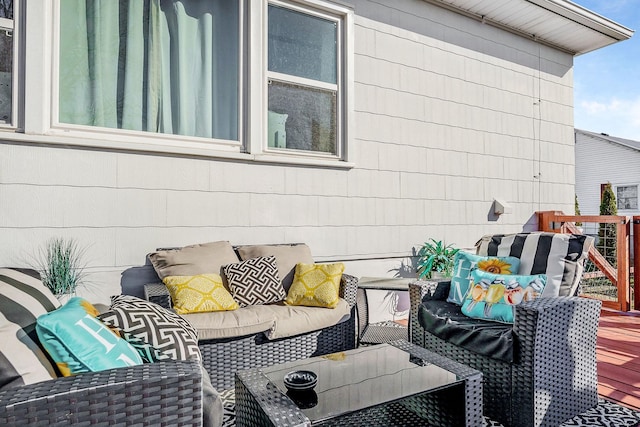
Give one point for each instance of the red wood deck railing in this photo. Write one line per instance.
(620, 275)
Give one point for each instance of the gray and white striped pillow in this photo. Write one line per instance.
(23, 298)
(560, 256)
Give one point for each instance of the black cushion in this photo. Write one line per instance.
(446, 321)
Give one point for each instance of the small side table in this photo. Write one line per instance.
(379, 332)
(157, 293)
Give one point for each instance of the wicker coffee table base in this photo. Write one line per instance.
(260, 403)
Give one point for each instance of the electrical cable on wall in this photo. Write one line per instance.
(536, 138)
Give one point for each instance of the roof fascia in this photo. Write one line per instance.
(585, 17)
(563, 8)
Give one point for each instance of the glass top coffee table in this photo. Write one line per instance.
(397, 383)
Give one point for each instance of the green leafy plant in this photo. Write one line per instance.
(577, 211)
(607, 231)
(61, 266)
(435, 255)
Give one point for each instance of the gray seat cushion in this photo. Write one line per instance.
(275, 320)
(446, 321)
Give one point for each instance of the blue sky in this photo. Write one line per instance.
(607, 81)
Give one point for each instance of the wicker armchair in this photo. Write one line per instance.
(554, 375)
(158, 394)
(222, 358)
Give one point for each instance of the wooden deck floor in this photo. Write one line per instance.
(618, 353)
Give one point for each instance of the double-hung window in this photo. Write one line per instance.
(6, 62)
(305, 106)
(627, 196)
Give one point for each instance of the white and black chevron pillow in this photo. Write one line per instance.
(255, 281)
(157, 333)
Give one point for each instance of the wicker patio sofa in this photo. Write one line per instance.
(553, 373)
(33, 392)
(222, 357)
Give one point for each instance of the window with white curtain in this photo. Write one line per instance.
(304, 81)
(161, 66)
(6, 61)
(260, 80)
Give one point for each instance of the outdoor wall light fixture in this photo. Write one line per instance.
(501, 207)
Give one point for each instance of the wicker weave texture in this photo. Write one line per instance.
(260, 403)
(156, 394)
(554, 376)
(560, 358)
(223, 358)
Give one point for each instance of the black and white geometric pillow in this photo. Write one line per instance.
(157, 333)
(560, 256)
(255, 281)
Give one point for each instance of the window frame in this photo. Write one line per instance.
(166, 139)
(13, 26)
(37, 93)
(259, 82)
(620, 186)
(310, 83)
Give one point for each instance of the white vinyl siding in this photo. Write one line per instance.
(445, 118)
(599, 161)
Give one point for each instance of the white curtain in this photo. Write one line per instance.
(155, 65)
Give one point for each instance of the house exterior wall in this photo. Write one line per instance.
(449, 114)
(599, 161)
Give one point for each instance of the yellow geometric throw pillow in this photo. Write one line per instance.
(199, 294)
(316, 285)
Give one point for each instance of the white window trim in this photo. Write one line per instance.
(40, 75)
(258, 99)
(637, 185)
(12, 25)
(141, 137)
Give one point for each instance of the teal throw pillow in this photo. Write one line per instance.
(465, 262)
(78, 342)
(494, 296)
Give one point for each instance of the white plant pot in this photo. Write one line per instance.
(438, 275)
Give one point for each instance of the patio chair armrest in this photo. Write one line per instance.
(429, 289)
(168, 393)
(541, 316)
(158, 293)
(557, 347)
(349, 289)
(418, 292)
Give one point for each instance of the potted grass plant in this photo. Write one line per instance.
(61, 266)
(435, 259)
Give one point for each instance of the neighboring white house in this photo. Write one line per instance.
(360, 127)
(602, 159)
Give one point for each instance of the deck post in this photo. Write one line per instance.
(636, 262)
(623, 229)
